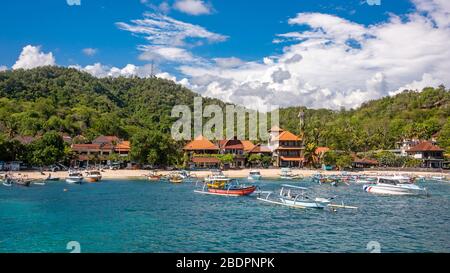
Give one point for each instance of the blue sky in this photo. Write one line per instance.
(239, 37)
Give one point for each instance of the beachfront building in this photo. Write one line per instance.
(432, 156)
(286, 147)
(358, 162)
(103, 150)
(200, 153)
(234, 147)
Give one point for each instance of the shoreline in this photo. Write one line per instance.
(243, 173)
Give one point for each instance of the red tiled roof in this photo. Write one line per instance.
(365, 161)
(106, 139)
(260, 149)
(123, 146)
(426, 146)
(92, 147)
(231, 144)
(205, 160)
(200, 143)
(248, 145)
(321, 150)
(287, 136)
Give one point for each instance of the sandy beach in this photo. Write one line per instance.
(266, 173)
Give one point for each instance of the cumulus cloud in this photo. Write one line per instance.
(3, 68)
(32, 56)
(280, 76)
(130, 70)
(193, 7)
(89, 51)
(228, 62)
(333, 62)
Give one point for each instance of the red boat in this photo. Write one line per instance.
(233, 191)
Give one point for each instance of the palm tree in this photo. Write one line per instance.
(310, 154)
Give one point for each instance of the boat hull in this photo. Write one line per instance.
(254, 177)
(383, 190)
(93, 179)
(233, 192)
(74, 180)
(304, 204)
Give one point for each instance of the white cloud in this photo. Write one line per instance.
(192, 7)
(3, 68)
(334, 62)
(130, 70)
(172, 54)
(228, 62)
(31, 57)
(169, 38)
(160, 29)
(89, 51)
(417, 85)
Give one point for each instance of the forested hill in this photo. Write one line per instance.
(35, 101)
(67, 100)
(378, 124)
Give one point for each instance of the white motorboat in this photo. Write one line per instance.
(75, 178)
(287, 174)
(394, 186)
(254, 175)
(6, 180)
(296, 197)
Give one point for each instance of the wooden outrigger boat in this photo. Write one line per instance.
(232, 188)
(217, 180)
(175, 178)
(153, 176)
(295, 197)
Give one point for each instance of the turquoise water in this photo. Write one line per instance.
(140, 216)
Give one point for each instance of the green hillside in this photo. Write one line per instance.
(63, 100)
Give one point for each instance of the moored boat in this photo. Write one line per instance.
(93, 176)
(393, 186)
(231, 188)
(153, 176)
(286, 174)
(254, 175)
(217, 180)
(175, 178)
(6, 180)
(75, 178)
(296, 197)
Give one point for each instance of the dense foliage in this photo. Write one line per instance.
(378, 124)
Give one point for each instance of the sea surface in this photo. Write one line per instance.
(140, 216)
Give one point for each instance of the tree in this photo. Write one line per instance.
(444, 136)
(254, 159)
(47, 150)
(344, 161)
(310, 154)
(329, 158)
